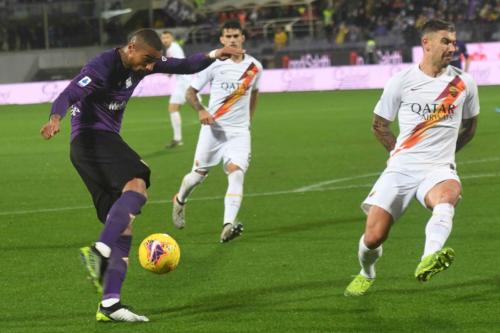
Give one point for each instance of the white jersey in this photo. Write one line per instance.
(175, 51)
(231, 87)
(430, 111)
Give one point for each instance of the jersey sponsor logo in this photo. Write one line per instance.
(84, 81)
(230, 86)
(448, 96)
(246, 82)
(433, 111)
(116, 106)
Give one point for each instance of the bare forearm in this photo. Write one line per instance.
(253, 103)
(192, 64)
(193, 99)
(382, 131)
(466, 133)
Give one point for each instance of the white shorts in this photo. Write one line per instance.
(179, 94)
(394, 189)
(215, 145)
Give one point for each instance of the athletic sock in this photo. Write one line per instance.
(117, 269)
(189, 182)
(128, 205)
(438, 228)
(175, 119)
(368, 258)
(234, 196)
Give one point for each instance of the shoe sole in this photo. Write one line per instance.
(443, 262)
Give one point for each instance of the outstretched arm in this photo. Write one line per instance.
(80, 87)
(382, 130)
(192, 64)
(204, 116)
(467, 132)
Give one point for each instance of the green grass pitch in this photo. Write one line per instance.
(314, 159)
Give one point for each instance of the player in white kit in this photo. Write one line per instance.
(225, 130)
(178, 97)
(437, 107)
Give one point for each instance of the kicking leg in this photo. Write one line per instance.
(442, 199)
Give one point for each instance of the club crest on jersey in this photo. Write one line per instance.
(453, 91)
(128, 82)
(84, 81)
(74, 110)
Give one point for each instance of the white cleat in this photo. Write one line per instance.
(230, 231)
(118, 312)
(178, 213)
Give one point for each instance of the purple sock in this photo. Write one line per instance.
(130, 202)
(117, 268)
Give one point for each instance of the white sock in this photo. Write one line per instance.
(189, 182)
(368, 258)
(103, 249)
(110, 301)
(234, 195)
(438, 228)
(175, 119)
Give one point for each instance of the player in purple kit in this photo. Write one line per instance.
(114, 174)
(461, 52)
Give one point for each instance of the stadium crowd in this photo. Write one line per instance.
(339, 21)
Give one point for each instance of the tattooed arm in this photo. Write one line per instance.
(382, 130)
(204, 116)
(466, 132)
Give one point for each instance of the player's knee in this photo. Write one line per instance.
(137, 185)
(374, 239)
(231, 167)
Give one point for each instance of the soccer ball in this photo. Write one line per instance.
(159, 253)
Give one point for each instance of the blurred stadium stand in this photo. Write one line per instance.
(61, 35)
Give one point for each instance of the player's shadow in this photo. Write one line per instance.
(257, 299)
(299, 227)
(493, 284)
(278, 231)
(51, 246)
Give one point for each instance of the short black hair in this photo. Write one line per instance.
(231, 24)
(436, 25)
(148, 37)
(167, 32)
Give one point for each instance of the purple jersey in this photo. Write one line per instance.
(461, 50)
(98, 95)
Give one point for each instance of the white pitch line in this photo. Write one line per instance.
(490, 159)
(258, 194)
(334, 181)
